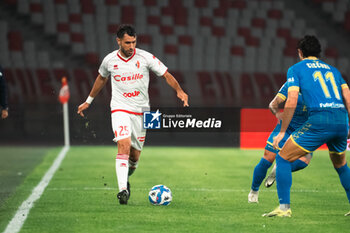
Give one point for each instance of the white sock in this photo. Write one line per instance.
(122, 169)
(284, 207)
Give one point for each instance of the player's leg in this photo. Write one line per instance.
(337, 156)
(138, 136)
(289, 153)
(259, 174)
(297, 165)
(301, 163)
(121, 129)
(133, 160)
(261, 168)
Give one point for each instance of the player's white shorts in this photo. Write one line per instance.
(129, 125)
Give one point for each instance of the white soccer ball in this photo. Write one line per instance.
(160, 195)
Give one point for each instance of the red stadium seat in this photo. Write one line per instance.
(239, 4)
(92, 58)
(347, 21)
(144, 39)
(218, 31)
(275, 14)
(201, 3)
(206, 21)
(128, 15)
(111, 2)
(171, 49)
(258, 22)
(166, 30)
(266, 88)
(206, 87)
(87, 7)
(15, 41)
(279, 79)
(247, 92)
(237, 50)
(59, 73)
(332, 52)
(185, 40)
(252, 41)
(150, 2)
(152, 19)
(44, 81)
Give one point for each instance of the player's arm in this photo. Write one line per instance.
(100, 82)
(346, 97)
(274, 106)
(176, 86)
(289, 109)
(3, 97)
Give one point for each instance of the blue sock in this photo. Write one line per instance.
(284, 179)
(344, 175)
(298, 165)
(260, 173)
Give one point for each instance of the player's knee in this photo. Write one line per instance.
(124, 146)
(306, 159)
(338, 159)
(269, 156)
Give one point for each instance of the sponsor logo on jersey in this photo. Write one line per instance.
(131, 94)
(134, 77)
(141, 139)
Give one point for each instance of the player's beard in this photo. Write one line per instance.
(128, 52)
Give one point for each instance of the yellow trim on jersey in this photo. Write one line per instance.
(299, 145)
(293, 88)
(272, 145)
(283, 97)
(338, 153)
(344, 86)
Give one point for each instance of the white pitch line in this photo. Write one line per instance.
(195, 190)
(21, 215)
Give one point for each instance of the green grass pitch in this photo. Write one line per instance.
(209, 186)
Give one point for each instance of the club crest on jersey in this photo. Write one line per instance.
(137, 64)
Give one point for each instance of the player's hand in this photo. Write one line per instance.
(82, 107)
(183, 97)
(4, 114)
(277, 140)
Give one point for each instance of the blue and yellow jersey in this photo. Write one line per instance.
(300, 114)
(320, 85)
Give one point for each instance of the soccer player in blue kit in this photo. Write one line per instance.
(300, 116)
(327, 98)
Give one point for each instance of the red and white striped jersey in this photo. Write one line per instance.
(130, 79)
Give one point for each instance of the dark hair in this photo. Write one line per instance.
(126, 28)
(310, 46)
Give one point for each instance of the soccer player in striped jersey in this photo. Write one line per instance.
(128, 69)
(300, 116)
(327, 98)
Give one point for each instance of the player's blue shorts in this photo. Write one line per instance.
(274, 133)
(321, 128)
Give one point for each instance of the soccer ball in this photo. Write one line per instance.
(160, 195)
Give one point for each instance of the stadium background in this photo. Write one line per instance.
(224, 53)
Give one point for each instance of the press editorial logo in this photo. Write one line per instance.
(157, 120)
(152, 120)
